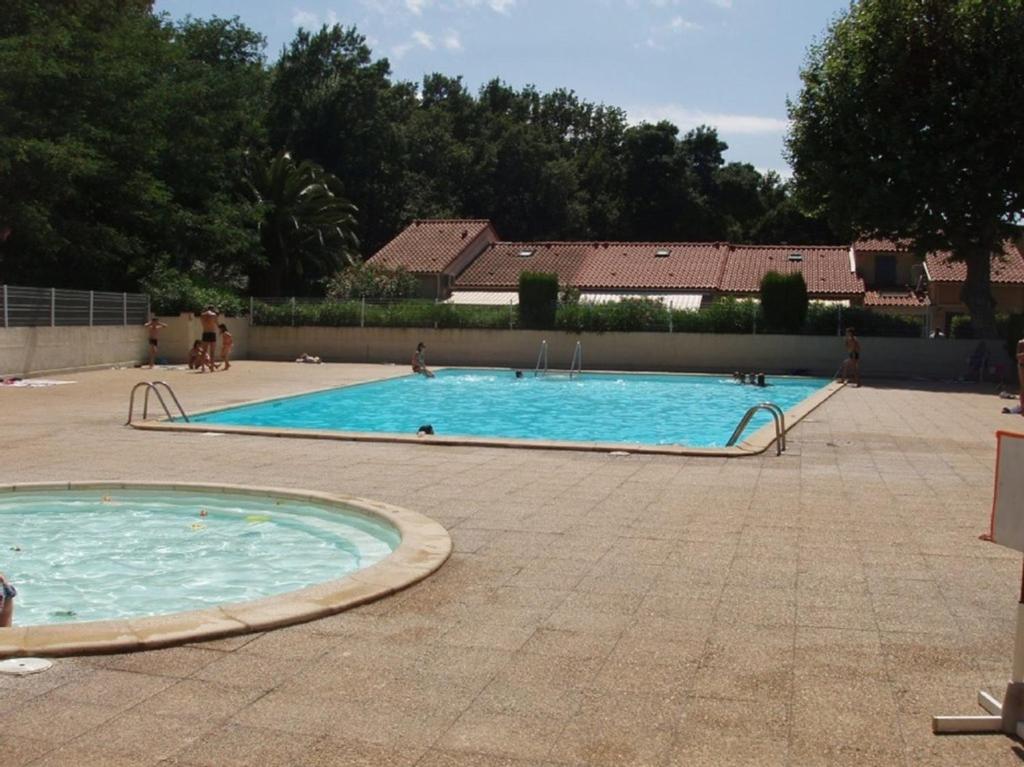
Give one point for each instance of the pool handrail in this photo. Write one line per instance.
(542, 357)
(778, 418)
(154, 386)
(576, 363)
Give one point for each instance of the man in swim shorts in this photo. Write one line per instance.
(208, 319)
(853, 358)
(154, 326)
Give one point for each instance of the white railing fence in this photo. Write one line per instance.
(22, 307)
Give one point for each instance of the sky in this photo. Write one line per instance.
(726, 63)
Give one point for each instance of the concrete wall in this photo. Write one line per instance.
(177, 338)
(698, 352)
(31, 351)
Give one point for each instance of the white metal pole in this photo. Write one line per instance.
(124, 309)
(92, 301)
(53, 307)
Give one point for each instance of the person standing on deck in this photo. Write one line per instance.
(852, 360)
(208, 320)
(154, 326)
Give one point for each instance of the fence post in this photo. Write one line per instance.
(92, 300)
(511, 315)
(6, 319)
(124, 308)
(362, 312)
(149, 308)
(53, 307)
(252, 309)
(293, 311)
(670, 320)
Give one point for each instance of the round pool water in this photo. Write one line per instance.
(78, 555)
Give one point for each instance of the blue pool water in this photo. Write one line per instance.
(91, 555)
(698, 411)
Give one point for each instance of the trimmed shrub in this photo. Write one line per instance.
(784, 302)
(371, 281)
(822, 320)
(538, 299)
(726, 315)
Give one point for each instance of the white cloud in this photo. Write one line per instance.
(309, 20)
(451, 41)
(398, 51)
(502, 6)
(305, 19)
(686, 119)
(416, 6)
(727, 4)
(423, 39)
(679, 24)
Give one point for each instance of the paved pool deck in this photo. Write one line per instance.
(810, 609)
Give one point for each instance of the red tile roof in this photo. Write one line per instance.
(901, 297)
(600, 265)
(826, 268)
(1006, 270)
(882, 246)
(431, 245)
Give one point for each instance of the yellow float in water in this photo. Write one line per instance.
(198, 526)
(255, 519)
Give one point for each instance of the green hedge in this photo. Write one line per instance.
(538, 299)
(784, 301)
(408, 314)
(726, 315)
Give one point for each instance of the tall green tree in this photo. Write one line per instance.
(905, 128)
(332, 103)
(307, 228)
(120, 142)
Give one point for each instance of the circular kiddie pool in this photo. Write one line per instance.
(114, 567)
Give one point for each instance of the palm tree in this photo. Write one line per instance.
(305, 224)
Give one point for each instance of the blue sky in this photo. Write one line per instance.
(727, 63)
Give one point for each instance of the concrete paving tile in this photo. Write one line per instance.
(178, 662)
(569, 645)
(63, 719)
(195, 700)
(232, 745)
(144, 738)
(21, 750)
(259, 671)
(75, 756)
(729, 750)
(517, 737)
(587, 741)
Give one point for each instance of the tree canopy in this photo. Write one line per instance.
(905, 128)
(124, 138)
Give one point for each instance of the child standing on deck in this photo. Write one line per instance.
(226, 342)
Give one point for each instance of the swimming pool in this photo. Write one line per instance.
(80, 555)
(638, 409)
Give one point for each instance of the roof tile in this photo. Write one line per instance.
(826, 268)
(430, 245)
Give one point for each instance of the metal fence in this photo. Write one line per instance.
(51, 307)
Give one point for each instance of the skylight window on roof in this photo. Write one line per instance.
(525, 253)
(661, 253)
(796, 257)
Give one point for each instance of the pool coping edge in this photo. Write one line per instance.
(423, 547)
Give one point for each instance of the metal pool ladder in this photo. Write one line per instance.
(542, 360)
(778, 417)
(154, 386)
(576, 364)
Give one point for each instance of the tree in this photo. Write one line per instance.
(306, 226)
(903, 129)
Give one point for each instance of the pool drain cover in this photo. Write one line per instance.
(24, 666)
